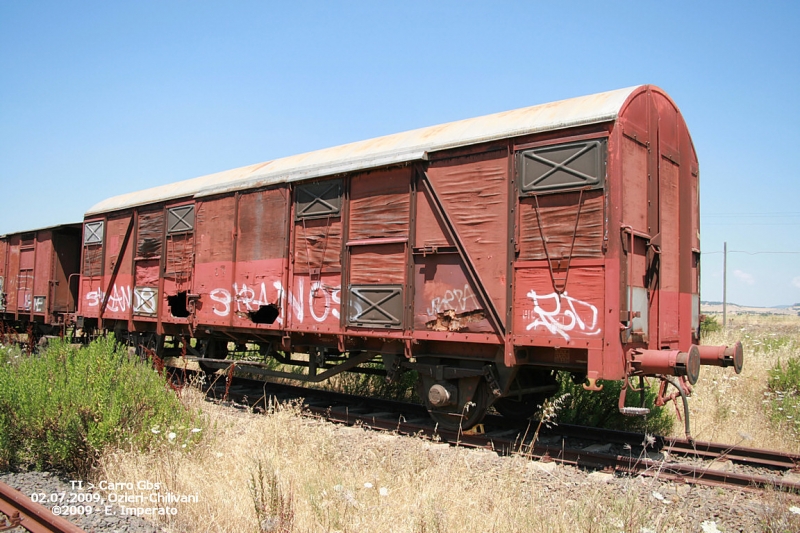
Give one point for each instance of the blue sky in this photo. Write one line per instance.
(104, 98)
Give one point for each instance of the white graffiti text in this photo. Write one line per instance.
(561, 315)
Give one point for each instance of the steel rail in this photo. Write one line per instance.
(36, 518)
(411, 419)
(736, 454)
(692, 449)
(679, 472)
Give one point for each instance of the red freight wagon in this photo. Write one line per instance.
(38, 278)
(485, 254)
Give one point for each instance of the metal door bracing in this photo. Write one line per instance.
(559, 272)
(377, 248)
(25, 277)
(147, 262)
(563, 166)
(467, 195)
(314, 292)
(376, 306)
(91, 268)
(178, 262)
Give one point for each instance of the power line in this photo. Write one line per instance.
(746, 252)
(770, 214)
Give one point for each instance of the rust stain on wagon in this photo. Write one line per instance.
(451, 321)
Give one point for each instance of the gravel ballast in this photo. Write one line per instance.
(104, 517)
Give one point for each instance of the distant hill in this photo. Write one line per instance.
(716, 307)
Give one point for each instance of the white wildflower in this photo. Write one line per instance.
(383, 491)
(709, 526)
(367, 485)
(155, 430)
(350, 498)
(196, 430)
(658, 496)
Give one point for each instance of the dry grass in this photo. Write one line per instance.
(731, 408)
(283, 472)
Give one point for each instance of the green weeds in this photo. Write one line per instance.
(600, 408)
(709, 324)
(376, 386)
(60, 409)
(274, 505)
(783, 395)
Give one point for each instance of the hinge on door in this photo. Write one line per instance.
(433, 250)
(429, 250)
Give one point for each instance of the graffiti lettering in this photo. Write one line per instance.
(223, 297)
(246, 300)
(296, 303)
(565, 314)
(118, 301)
(456, 299)
(319, 302)
(328, 294)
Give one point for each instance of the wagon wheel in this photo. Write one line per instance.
(522, 407)
(464, 415)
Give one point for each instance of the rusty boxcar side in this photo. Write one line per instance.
(38, 278)
(484, 254)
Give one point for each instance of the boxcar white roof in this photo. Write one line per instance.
(381, 151)
(46, 228)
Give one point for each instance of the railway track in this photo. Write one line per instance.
(619, 452)
(22, 512)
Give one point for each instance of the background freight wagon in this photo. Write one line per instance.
(39, 278)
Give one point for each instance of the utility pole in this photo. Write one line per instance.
(724, 284)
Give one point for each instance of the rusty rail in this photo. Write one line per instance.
(702, 474)
(36, 518)
(736, 454)
(409, 419)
